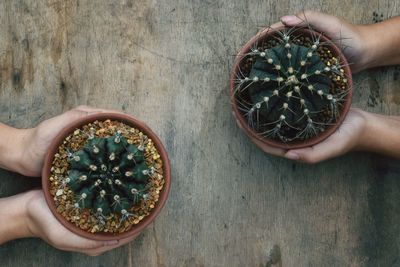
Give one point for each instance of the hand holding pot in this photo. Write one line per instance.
(365, 46)
(360, 130)
(27, 214)
(345, 139)
(41, 223)
(349, 37)
(37, 140)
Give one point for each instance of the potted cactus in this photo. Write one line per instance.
(290, 87)
(106, 176)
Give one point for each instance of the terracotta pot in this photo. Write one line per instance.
(131, 121)
(254, 136)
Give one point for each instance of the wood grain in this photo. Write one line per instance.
(168, 63)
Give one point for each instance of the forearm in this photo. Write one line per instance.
(381, 135)
(14, 218)
(383, 42)
(12, 141)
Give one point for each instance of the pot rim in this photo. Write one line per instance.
(133, 122)
(296, 144)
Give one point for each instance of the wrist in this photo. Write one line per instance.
(23, 152)
(10, 147)
(14, 217)
(30, 208)
(381, 135)
(359, 123)
(369, 46)
(381, 43)
(368, 133)
(15, 154)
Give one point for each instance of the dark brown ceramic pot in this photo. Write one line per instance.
(254, 136)
(131, 121)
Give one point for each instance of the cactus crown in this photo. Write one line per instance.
(108, 174)
(290, 87)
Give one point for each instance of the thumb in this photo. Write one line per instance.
(320, 21)
(331, 147)
(87, 244)
(73, 242)
(59, 122)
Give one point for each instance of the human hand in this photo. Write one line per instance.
(346, 138)
(37, 140)
(41, 223)
(351, 38)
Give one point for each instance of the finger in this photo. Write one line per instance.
(87, 244)
(80, 244)
(274, 26)
(319, 21)
(64, 239)
(277, 25)
(92, 110)
(92, 244)
(59, 122)
(56, 234)
(101, 250)
(332, 147)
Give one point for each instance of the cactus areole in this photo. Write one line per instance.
(290, 87)
(106, 176)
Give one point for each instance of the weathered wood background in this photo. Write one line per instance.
(168, 63)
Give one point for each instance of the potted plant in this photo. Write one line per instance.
(106, 176)
(290, 87)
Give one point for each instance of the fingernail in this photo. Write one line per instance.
(292, 155)
(289, 19)
(111, 242)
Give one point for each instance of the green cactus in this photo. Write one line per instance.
(108, 174)
(288, 92)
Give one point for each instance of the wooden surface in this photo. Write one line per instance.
(168, 63)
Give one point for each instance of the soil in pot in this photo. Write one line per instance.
(106, 177)
(291, 86)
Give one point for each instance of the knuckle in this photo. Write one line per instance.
(308, 13)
